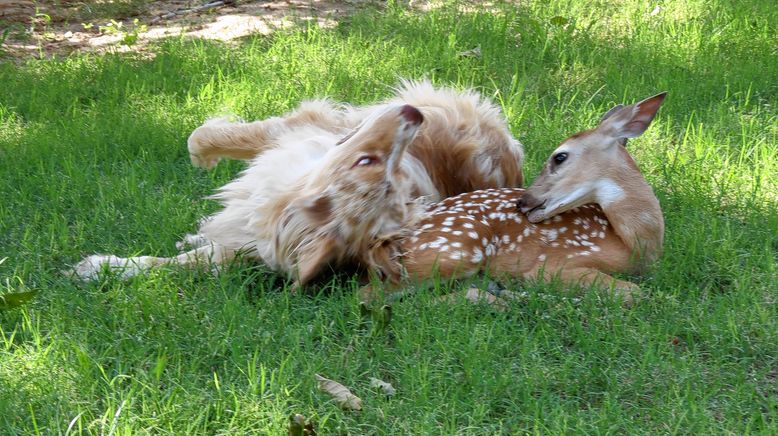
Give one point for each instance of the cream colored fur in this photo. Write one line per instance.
(463, 144)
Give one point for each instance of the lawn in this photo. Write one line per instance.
(93, 159)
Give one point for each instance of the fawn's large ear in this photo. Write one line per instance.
(631, 121)
(606, 115)
(610, 112)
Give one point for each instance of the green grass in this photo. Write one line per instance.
(94, 9)
(93, 159)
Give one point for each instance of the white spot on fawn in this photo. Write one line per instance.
(438, 242)
(549, 234)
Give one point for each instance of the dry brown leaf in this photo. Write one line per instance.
(472, 53)
(476, 295)
(299, 425)
(339, 393)
(387, 388)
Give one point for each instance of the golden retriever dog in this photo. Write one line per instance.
(289, 210)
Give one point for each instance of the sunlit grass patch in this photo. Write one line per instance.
(93, 159)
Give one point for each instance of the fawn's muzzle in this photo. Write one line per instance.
(528, 202)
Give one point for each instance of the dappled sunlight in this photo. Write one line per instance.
(224, 23)
(93, 157)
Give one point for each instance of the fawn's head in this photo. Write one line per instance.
(592, 166)
(357, 194)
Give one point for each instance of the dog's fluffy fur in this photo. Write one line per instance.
(283, 209)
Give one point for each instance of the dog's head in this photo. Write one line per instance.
(356, 196)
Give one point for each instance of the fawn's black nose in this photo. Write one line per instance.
(527, 202)
(411, 114)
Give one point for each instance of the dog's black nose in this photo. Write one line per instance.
(411, 114)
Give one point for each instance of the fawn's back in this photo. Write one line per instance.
(484, 230)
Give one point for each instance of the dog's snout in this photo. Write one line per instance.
(411, 114)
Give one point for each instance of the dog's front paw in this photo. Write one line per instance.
(192, 241)
(92, 266)
(198, 149)
(203, 161)
(200, 143)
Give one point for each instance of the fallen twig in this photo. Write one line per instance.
(205, 7)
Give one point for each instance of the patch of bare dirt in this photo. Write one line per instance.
(52, 30)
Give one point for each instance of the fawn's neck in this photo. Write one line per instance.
(636, 216)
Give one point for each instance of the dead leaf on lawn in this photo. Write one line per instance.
(385, 387)
(472, 53)
(299, 425)
(339, 393)
(559, 21)
(475, 295)
(16, 299)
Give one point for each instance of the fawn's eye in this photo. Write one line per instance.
(365, 161)
(559, 158)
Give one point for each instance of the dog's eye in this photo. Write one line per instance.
(365, 161)
(559, 158)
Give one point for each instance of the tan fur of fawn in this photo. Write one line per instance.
(589, 214)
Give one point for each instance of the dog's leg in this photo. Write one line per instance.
(219, 137)
(126, 267)
(192, 241)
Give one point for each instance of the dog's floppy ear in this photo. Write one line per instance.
(316, 255)
(304, 238)
(318, 208)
